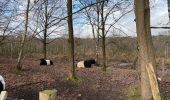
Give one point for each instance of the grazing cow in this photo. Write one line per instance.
(2, 84)
(45, 62)
(86, 63)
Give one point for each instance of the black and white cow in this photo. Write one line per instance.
(86, 63)
(45, 62)
(2, 84)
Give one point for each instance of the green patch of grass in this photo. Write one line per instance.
(50, 91)
(76, 79)
(133, 93)
(164, 97)
(18, 71)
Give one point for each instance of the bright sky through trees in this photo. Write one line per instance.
(159, 17)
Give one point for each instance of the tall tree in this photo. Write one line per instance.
(45, 30)
(20, 57)
(103, 36)
(146, 52)
(100, 17)
(6, 19)
(104, 17)
(70, 40)
(168, 1)
(48, 12)
(98, 28)
(94, 21)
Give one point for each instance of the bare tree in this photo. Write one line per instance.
(103, 36)
(70, 40)
(6, 18)
(99, 17)
(146, 52)
(94, 20)
(20, 57)
(45, 29)
(46, 11)
(168, 1)
(104, 18)
(98, 28)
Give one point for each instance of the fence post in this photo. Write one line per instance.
(163, 66)
(48, 94)
(153, 82)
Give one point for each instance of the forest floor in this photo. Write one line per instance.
(117, 83)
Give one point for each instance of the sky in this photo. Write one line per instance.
(159, 17)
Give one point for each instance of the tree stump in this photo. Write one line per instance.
(3, 95)
(48, 95)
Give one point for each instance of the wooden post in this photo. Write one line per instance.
(153, 82)
(3, 95)
(163, 66)
(165, 51)
(48, 95)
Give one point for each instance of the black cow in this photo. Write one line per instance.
(86, 63)
(2, 84)
(45, 62)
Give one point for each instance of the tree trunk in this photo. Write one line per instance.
(103, 37)
(20, 57)
(98, 28)
(146, 53)
(45, 30)
(168, 1)
(71, 39)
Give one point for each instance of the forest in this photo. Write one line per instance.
(84, 50)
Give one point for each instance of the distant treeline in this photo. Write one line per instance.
(116, 47)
